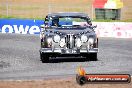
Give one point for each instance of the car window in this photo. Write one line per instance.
(68, 21)
(72, 21)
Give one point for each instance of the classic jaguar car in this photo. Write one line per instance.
(68, 34)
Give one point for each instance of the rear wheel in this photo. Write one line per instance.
(44, 57)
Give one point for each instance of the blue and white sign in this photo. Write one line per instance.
(20, 26)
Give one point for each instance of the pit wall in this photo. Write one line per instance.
(104, 29)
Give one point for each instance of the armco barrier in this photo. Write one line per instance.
(104, 29)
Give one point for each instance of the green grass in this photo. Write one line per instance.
(37, 18)
(7, 17)
(15, 17)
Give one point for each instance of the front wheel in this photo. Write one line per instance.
(44, 57)
(91, 56)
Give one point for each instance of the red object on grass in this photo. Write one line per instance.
(99, 3)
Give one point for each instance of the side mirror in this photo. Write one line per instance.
(95, 26)
(42, 26)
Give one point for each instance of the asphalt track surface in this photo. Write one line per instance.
(19, 59)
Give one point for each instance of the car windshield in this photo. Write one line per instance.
(70, 21)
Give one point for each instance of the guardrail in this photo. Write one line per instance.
(28, 26)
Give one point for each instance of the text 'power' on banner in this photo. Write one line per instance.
(28, 26)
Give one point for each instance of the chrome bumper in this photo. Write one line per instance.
(68, 51)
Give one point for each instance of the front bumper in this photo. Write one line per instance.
(68, 51)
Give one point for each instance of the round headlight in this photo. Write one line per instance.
(49, 40)
(78, 42)
(91, 40)
(62, 42)
(84, 38)
(57, 38)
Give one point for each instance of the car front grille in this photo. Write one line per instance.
(70, 41)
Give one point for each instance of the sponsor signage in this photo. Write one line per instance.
(114, 29)
(28, 26)
(103, 78)
(20, 26)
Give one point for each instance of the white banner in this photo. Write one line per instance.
(114, 29)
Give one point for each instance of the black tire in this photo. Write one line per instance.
(91, 57)
(44, 57)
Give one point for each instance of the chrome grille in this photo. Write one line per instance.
(70, 41)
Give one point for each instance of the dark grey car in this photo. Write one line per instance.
(68, 34)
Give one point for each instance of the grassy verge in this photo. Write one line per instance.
(15, 17)
(37, 18)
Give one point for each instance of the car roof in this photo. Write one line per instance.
(78, 14)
